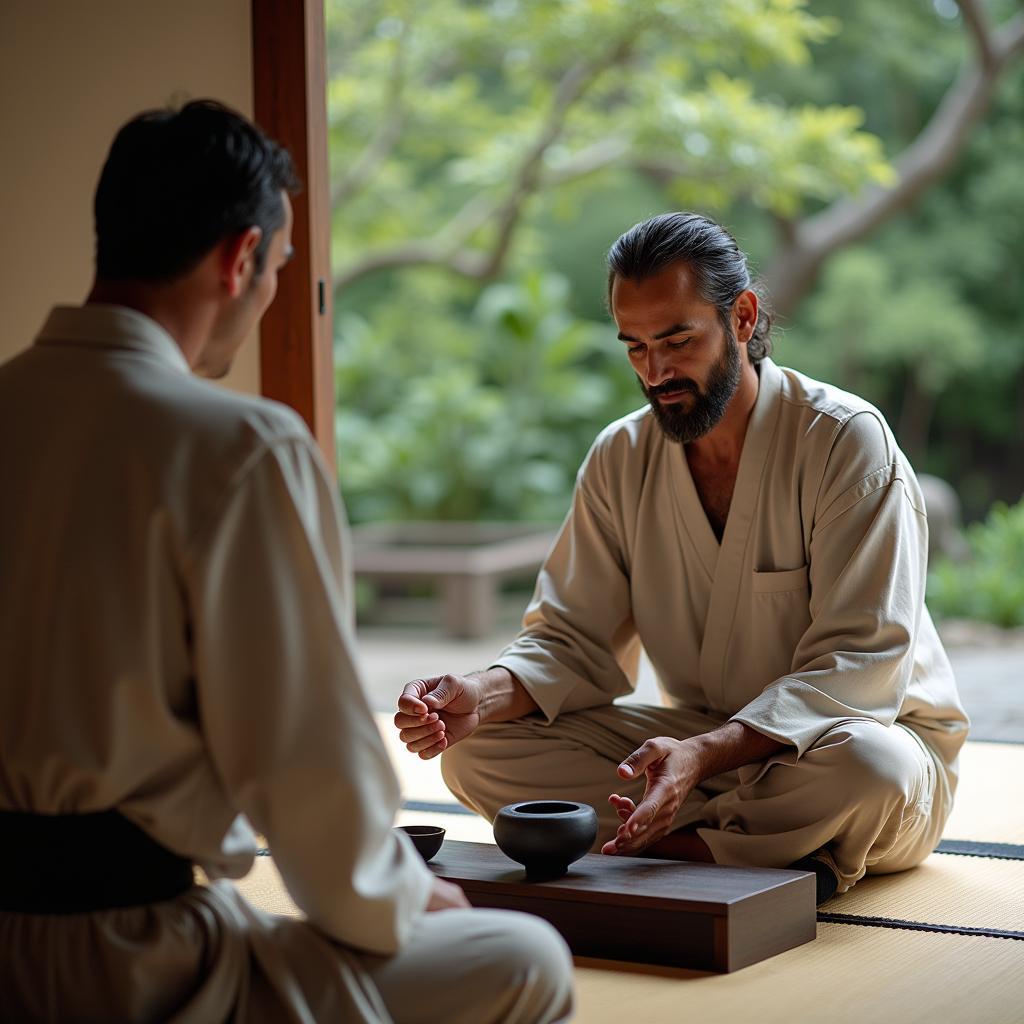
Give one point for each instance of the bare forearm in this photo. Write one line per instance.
(732, 746)
(503, 697)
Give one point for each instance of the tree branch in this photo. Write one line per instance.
(592, 158)
(448, 246)
(815, 238)
(976, 20)
(389, 131)
(482, 207)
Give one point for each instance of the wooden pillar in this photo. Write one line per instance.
(290, 105)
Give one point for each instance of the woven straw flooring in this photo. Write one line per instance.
(942, 944)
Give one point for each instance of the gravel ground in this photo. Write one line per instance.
(989, 667)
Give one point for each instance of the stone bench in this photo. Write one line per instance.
(467, 561)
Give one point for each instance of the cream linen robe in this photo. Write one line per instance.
(177, 643)
(807, 622)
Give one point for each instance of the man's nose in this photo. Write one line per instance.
(658, 369)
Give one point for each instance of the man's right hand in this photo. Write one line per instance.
(446, 896)
(434, 713)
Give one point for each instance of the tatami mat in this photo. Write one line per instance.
(263, 888)
(851, 974)
(848, 976)
(967, 892)
(989, 804)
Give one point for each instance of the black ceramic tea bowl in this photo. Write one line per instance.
(426, 838)
(545, 836)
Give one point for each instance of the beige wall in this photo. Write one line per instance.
(71, 72)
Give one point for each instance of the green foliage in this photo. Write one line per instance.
(434, 103)
(452, 398)
(457, 402)
(990, 586)
(876, 314)
(925, 317)
(483, 419)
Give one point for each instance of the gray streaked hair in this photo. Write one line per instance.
(718, 264)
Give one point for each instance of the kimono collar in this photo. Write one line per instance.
(111, 327)
(766, 404)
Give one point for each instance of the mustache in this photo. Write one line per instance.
(673, 387)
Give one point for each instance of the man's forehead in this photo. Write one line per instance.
(671, 293)
(674, 279)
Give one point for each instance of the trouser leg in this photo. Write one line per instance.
(865, 793)
(573, 758)
(458, 966)
(477, 967)
(872, 797)
(210, 956)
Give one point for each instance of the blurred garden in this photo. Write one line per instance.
(485, 153)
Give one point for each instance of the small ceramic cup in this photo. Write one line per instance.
(545, 836)
(426, 838)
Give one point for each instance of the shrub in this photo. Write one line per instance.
(989, 586)
(485, 417)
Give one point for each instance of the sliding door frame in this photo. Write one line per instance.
(290, 104)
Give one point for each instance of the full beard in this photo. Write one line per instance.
(707, 407)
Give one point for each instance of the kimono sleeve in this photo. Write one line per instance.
(281, 707)
(867, 567)
(578, 647)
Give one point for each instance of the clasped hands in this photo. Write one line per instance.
(437, 712)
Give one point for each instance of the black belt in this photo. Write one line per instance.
(79, 863)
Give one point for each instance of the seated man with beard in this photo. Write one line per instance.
(764, 539)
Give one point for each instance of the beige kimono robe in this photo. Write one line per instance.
(177, 643)
(811, 609)
(809, 613)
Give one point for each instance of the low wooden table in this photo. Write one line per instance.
(706, 917)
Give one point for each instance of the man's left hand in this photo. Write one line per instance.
(673, 767)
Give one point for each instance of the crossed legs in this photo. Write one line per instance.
(873, 798)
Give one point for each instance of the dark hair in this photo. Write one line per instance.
(178, 182)
(709, 250)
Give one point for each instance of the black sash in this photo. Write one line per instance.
(79, 863)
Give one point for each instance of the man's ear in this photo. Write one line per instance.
(744, 313)
(238, 260)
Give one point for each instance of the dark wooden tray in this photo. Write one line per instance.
(706, 917)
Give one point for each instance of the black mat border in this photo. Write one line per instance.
(970, 848)
(918, 926)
